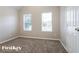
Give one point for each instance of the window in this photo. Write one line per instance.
(27, 22)
(47, 22)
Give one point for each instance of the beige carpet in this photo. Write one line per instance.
(33, 46)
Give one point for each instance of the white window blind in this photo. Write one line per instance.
(47, 22)
(27, 21)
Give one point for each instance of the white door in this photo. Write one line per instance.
(72, 29)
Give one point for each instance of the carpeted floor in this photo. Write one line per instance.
(33, 46)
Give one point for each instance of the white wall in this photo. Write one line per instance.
(69, 36)
(36, 22)
(8, 23)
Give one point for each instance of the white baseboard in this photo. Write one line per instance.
(64, 46)
(8, 39)
(27, 37)
(39, 38)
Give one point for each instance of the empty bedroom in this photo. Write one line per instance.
(39, 29)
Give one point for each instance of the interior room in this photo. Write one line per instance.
(39, 29)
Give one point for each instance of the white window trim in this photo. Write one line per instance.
(24, 22)
(51, 22)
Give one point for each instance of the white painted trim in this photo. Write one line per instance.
(9, 39)
(39, 38)
(26, 37)
(64, 46)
